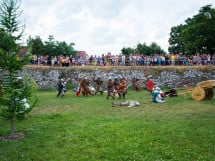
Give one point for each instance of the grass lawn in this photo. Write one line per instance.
(89, 129)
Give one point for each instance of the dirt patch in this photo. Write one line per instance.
(16, 137)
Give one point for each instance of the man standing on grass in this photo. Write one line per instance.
(122, 87)
(110, 89)
(62, 87)
(149, 84)
(84, 87)
(99, 83)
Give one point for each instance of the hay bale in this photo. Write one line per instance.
(198, 93)
(206, 84)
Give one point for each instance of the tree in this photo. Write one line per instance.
(55, 48)
(153, 48)
(176, 45)
(36, 45)
(197, 35)
(127, 51)
(15, 90)
(50, 47)
(143, 49)
(64, 48)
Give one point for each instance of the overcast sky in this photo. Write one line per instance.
(100, 26)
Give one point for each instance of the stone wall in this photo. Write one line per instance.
(48, 77)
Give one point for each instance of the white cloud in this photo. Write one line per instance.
(99, 26)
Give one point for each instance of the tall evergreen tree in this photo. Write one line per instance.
(15, 91)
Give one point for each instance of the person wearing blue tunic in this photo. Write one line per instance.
(157, 96)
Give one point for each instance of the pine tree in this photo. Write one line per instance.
(15, 90)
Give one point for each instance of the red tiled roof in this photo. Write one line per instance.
(81, 53)
(23, 51)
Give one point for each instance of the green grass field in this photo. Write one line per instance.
(89, 129)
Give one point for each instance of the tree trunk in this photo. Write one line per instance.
(12, 127)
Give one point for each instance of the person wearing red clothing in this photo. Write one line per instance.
(149, 85)
(84, 87)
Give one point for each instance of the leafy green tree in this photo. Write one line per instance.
(176, 45)
(127, 51)
(36, 45)
(153, 48)
(143, 49)
(15, 90)
(64, 49)
(197, 35)
(50, 47)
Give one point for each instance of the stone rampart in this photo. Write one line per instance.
(167, 76)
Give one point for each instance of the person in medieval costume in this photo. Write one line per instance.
(99, 83)
(157, 95)
(171, 93)
(110, 89)
(84, 87)
(116, 86)
(62, 87)
(122, 87)
(136, 84)
(150, 84)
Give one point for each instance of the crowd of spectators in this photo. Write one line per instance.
(125, 60)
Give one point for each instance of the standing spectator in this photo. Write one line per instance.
(163, 60)
(123, 60)
(98, 61)
(116, 60)
(91, 60)
(172, 59)
(120, 60)
(127, 60)
(103, 60)
(112, 60)
(213, 59)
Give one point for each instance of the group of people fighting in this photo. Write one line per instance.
(113, 87)
(116, 87)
